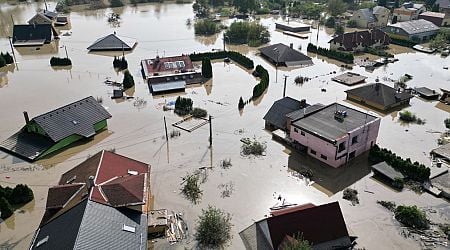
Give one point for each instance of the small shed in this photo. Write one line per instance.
(158, 221)
(292, 26)
(283, 55)
(387, 171)
(427, 93)
(349, 78)
(112, 42)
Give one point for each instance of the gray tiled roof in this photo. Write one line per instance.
(284, 54)
(380, 94)
(276, 115)
(91, 225)
(110, 42)
(323, 123)
(75, 118)
(30, 32)
(26, 145)
(387, 171)
(416, 26)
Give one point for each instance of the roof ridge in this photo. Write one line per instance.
(62, 106)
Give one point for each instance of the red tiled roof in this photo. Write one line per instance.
(59, 196)
(155, 66)
(316, 225)
(114, 165)
(292, 209)
(367, 38)
(125, 190)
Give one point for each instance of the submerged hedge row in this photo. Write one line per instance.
(233, 55)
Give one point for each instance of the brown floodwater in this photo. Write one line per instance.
(137, 129)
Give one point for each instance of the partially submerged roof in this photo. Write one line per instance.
(416, 26)
(324, 124)
(318, 225)
(276, 116)
(157, 88)
(26, 145)
(388, 171)
(298, 114)
(349, 78)
(112, 42)
(380, 94)
(39, 18)
(442, 151)
(76, 118)
(166, 65)
(90, 225)
(365, 38)
(32, 34)
(424, 91)
(285, 55)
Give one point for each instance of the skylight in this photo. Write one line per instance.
(42, 241)
(128, 228)
(132, 172)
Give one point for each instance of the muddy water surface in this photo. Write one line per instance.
(137, 129)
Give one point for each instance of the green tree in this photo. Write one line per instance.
(330, 22)
(241, 104)
(296, 243)
(207, 68)
(439, 41)
(447, 123)
(128, 80)
(336, 7)
(8, 58)
(5, 208)
(245, 6)
(205, 27)
(2, 61)
(201, 8)
(213, 228)
(116, 3)
(21, 194)
(411, 216)
(251, 33)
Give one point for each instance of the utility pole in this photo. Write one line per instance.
(284, 89)
(165, 127)
(12, 19)
(65, 48)
(12, 49)
(123, 51)
(210, 131)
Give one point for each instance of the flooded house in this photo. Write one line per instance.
(371, 18)
(360, 40)
(322, 226)
(168, 74)
(283, 55)
(415, 30)
(99, 204)
(335, 134)
(57, 129)
(349, 78)
(408, 11)
(32, 34)
(439, 19)
(292, 26)
(379, 96)
(113, 42)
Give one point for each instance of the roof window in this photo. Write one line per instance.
(132, 172)
(128, 228)
(44, 240)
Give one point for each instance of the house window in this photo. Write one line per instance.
(313, 152)
(341, 147)
(323, 157)
(354, 139)
(302, 133)
(295, 130)
(352, 155)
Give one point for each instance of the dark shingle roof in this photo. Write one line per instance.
(284, 54)
(379, 93)
(367, 38)
(323, 123)
(125, 190)
(32, 32)
(62, 232)
(276, 115)
(90, 225)
(387, 171)
(76, 118)
(111, 42)
(26, 145)
(59, 196)
(298, 114)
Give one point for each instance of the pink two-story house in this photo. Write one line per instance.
(335, 134)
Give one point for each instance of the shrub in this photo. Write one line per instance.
(206, 68)
(213, 228)
(334, 54)
(120, 63)
(21, 194)
(252, 147)
(2, 61)
(351, 23)
(128, 80)
(411, 216)
(191, 188)
(297, 243)
(262, 11)
(205, 27)
(7, 57)
(57, 61)
(199, 113)
(233, 55)
(241, 103)
(6, 209)
(398, 183)
(248, 32)
(402, 42)
(388, 204)
(447, 123)
(330, 22)
(116, 3)
(407, 116)
(183, 106)
(413, 171)
(259, 88)
(351, 195)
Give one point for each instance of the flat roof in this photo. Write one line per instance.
(426, 91)
(349, 78)
(293, 24)
(324, 124)
(388, 171)
(169, 86)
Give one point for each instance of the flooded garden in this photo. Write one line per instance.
(247, 186)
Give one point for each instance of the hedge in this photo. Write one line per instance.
(414, 171)
(403, 42)
(233, 55)
(57, 61)
(259, 88)
(334, 54)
